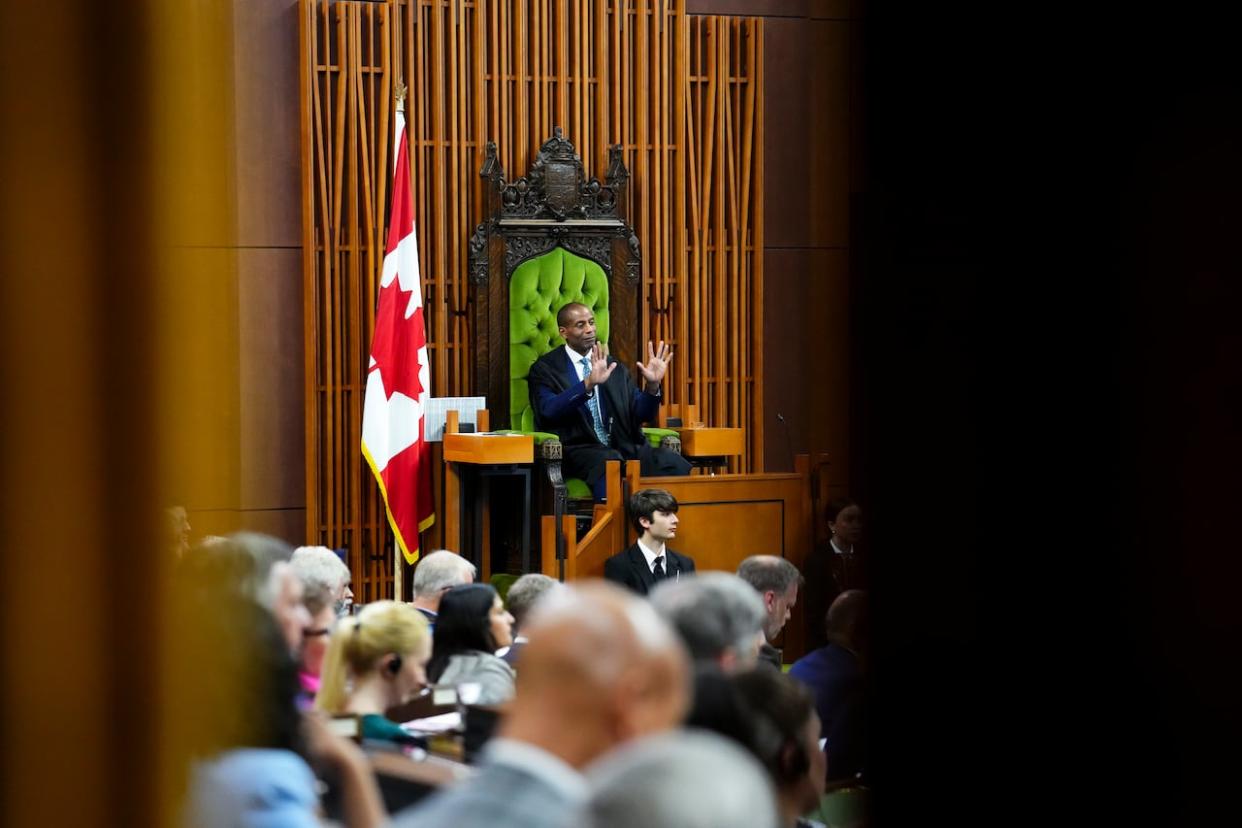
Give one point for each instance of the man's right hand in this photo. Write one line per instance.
(600, 369)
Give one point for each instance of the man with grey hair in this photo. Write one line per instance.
(600, 669)
(272, 583)
(320, 569)
(718, 616)
(435, 575)
(686, 779)
(777, 581)
(523, 595)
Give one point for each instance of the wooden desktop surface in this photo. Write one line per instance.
(489, 449)
(712, 442)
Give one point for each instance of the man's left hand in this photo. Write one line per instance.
(653, 372)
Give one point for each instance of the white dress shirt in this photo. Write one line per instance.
(576, 358)
(651, 555)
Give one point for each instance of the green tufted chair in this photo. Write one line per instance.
(538, 289)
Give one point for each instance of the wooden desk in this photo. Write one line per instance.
(485, 456)
(710, 447)
(489, 449)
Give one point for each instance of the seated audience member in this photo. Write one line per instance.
(269, 580)
(319, 565)
(684, 779)
(435, 575)
(472, 625)
(376, 660)
(718, 616)
(787, 740)
(522, 597)
(649, 561)
(320, 604)
(235, 707)
(835, 675)
(776, 580)
(833, 567)
(599, 668)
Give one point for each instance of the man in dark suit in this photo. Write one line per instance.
(649, 561)
(436, 574)
(776, 580)
(596, 410)
(836, 675)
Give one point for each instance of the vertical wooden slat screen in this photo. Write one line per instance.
(682, 94)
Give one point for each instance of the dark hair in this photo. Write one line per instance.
(562, 315)
(784, 705)
(463, 625)
(836, 506)
(762, 710)
(646, 503)
(720, 708)
(846, 622)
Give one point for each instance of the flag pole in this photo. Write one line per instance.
(398, 559)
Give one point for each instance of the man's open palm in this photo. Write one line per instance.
(656, 367)
(600, 369)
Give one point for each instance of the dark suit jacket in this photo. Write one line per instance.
(430, 616)
(559, 400)
(629, 568)
(827, 574)
(836, 679)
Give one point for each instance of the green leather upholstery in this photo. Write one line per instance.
(538, 289)
(655, 435)
(576, 489)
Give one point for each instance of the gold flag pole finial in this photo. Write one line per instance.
(400, 93)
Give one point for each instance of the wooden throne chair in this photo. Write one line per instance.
(550, 238)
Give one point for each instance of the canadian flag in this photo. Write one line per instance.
(399, 378)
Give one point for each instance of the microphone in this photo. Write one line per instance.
(788, 441)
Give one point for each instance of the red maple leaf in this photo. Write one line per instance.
(397, 341)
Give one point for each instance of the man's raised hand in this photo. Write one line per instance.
(657, 364)
(600, 369)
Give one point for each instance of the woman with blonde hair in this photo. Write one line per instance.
(375, 661)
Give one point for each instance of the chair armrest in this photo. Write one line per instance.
(547, 444)
(665, 438)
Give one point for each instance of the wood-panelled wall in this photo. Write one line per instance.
(682, 94)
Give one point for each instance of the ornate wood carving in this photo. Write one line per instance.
(556, 186)
(478, 255)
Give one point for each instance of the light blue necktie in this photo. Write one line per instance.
(593, 404)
